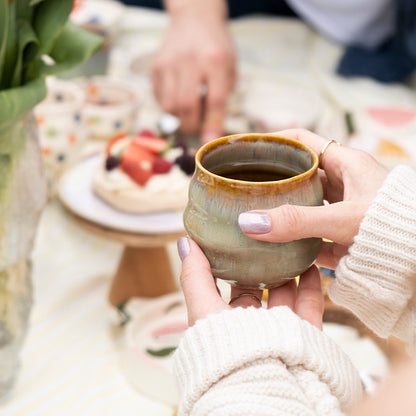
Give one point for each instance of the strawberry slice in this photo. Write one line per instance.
(161, 165)
(137, 163)
(146, 133)
(155, 144)
(113, 141)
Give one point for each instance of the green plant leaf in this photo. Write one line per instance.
(4, 33)
(27, 50)
(11, 47)
(163, 352)
(49, 18)
(16, 102)
(34, 2)
(73, 46)
(24, 9)
(124, 315)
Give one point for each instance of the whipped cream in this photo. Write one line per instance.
(162, 192)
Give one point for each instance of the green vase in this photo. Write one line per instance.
(22, 197)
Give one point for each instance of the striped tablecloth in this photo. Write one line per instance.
(70, 363)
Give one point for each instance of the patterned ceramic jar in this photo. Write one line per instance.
(239, 173)
(60, 126)
(110, 109)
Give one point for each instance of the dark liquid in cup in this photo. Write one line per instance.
(255, 172)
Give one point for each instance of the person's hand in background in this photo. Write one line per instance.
(350, 180)
(194, 70)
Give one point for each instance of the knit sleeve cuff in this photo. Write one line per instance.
(377, 279)
(219, 345)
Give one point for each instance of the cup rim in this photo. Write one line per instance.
(254, 137)
(74, 105)
(133, 102)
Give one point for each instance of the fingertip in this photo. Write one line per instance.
(183, 247)
(311, 278)
(213, 124)
(254, 222)
(209, 134)
(197, 283)
(192, 257)
(305, 136)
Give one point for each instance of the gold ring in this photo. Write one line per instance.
(251, 295)
(323, 150)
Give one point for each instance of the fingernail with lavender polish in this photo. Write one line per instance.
(254, 222)
(183, 247)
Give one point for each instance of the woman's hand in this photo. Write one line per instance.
(350, 180)
(203, 298)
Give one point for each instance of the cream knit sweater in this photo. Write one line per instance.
(377, 279)
(270, 362)
(262, 362)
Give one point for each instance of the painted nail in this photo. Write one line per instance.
(254, 222)
(183, 247)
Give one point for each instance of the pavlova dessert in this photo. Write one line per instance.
(144, 173)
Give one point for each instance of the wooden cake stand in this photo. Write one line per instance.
(144, 269)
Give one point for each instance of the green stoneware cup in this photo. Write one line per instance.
(244, 172)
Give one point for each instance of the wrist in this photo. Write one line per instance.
(376, 279)
(197, 8)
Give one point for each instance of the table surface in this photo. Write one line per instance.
(70, 362)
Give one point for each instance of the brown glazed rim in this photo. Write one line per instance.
(254, 137)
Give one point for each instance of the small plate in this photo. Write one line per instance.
(75, 192)
(272, 106)
(152, 335)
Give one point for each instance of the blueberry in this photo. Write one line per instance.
(186, 162)
(112, 162)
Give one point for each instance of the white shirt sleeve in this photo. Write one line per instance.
(349, 22)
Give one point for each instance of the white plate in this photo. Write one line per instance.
(152, 335)
(75, 191)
